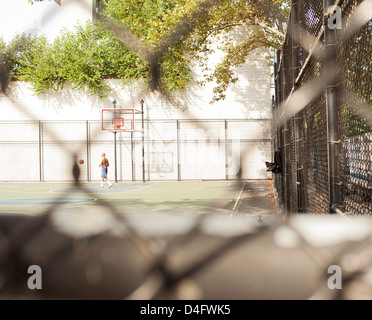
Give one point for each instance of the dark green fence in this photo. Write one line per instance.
(323, 108)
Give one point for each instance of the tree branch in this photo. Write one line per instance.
(261, 24)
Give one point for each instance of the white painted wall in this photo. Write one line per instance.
(249, 98)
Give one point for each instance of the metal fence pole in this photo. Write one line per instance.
(332, 113)
(280, 131)
(226, 151)
(132, 155)
(178, 151)
(143, 142)
(121, 156)
(115, 154)
(275, 119)
(274, 145)
(297, 119)
(276, 126)
(88, 162)
(116, 159)
(287, 186)
(40, 152)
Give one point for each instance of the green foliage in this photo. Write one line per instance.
(87, 55)
(352, 124)
(10, 57)
(151, 21)
(83, 57)
(261, 27)
(138, 15)
(356, 80)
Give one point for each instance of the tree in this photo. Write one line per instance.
(83, 57)
(264, 21)
(174, 36)
(10, 58)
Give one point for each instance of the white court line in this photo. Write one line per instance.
(43, 205)
(235, 209)
(99, 189)
(21, 191)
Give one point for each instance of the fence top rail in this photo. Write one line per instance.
(285, 40)
(310, 54)
(149, 120)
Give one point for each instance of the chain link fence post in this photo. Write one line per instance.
(333, 139)
(286, 167)
(297, 119)
(280, 130)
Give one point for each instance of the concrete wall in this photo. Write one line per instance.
(249, 98)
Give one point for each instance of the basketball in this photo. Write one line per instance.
(81, 161)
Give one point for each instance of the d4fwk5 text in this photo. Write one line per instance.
(187, 309)
(207, 309)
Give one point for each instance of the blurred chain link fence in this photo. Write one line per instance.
(194, 257)
(107, 252)
(326, 142)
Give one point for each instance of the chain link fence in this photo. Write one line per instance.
(107, 253)
(323, 76)
(173, 150)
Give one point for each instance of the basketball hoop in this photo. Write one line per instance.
(118, 120)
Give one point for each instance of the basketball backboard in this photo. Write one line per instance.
(117, 120)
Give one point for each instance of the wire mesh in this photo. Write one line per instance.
(355, 107)
(173, 150)
(293, 166)
(353, 60)
(159, 262)
(310, 15)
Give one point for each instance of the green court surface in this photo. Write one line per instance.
(199, 197)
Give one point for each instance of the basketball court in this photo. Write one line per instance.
(198, 196)
(193, 169)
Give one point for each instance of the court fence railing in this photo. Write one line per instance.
(172, 149)
(322, 109)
